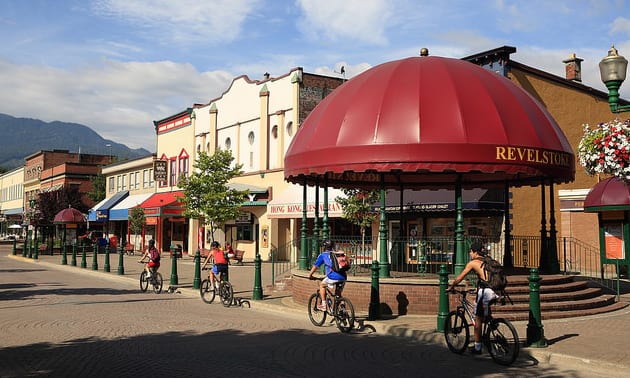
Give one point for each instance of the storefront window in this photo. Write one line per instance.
(244, 232)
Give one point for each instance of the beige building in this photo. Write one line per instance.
(11, 201)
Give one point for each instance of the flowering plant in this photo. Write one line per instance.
(606, 149)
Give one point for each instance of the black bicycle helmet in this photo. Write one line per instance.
(215, 244)
(328, 245)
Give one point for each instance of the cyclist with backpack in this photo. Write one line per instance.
(333, 276)
(154, 258)
(485, 293)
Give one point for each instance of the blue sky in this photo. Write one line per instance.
(118, 65)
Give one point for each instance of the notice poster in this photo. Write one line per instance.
(613, 236)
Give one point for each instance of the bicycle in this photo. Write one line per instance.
(339, 308)
(155, 280)
(224, 287)
(498, 335)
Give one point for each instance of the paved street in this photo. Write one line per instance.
(66, 321)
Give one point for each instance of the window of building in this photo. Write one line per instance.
(118, 183)
(183, 164)
(244, 232)
(145, 178)
(124, 182)
(151, 181)
(111, 184)
(290, 128)
(173, 181)
(274, 131)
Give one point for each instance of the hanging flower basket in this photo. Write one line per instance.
(606, 149)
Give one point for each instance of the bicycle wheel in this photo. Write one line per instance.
(502, 341)
(317, 316)
(344, 315)
(456, 332)
(226, 293)
(144, 284)
(157, 283)
(206, 291)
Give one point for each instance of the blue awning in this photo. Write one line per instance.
(102, 212)
(120, 211)
(92, 212)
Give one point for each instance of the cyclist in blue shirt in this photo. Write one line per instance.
(332, 277)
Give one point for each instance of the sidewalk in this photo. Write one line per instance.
(590, 342)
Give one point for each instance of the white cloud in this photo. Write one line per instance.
(118, 100)
(358, 20)
(182, 21)
(621, 25)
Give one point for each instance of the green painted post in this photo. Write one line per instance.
(197, 277)
(106, 264)
(29, 251)
(382, 232)
(374, 308)
(303, 261)
(174, 278)
(83, 257)
(64, 255)
(14, 252)
(24, 251)
(460, 250)
(121, 261)
(95, 258)
(35, 252)
(257, 293)
(443, 303)
(535, 330)
(73, 261)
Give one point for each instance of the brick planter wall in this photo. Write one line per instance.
(398, 296)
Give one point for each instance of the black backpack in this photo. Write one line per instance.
(340, 262)
(495, 274)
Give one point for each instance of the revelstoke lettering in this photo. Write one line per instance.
(533, 155)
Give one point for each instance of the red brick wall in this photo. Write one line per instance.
(392, 294)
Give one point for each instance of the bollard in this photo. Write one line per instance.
(121, 261)
(83, 257)
(174, 278)
(197, 278)
(35, 253)
(535, 331)
(14, 247)
(106, 264)
(374, 309)
(24, 251)
(258, 291)
(73, 261)
(95, 258)
(443, 302)
(64, 256)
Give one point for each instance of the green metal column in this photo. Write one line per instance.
(443, 303)
(121, 261)
(535, 330)
(507, 255)
(95, 258)
(303, 263)
(197, 275)
(316, 236)
(374, 308)
(14, 251)
(325, 228)
(382, 233)
(83, 257)
(106, 267)
(174, 277)
(73, 260)
(460, 250)
(554, 263)
(544, 253)
(257, 292)
(24, 248)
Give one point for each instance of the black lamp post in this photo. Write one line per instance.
(613, 72)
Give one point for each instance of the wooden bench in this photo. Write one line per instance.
(129, 250)
(238, 256)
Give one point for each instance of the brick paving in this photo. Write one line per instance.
(589, 342)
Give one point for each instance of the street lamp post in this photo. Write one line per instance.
(613, 72)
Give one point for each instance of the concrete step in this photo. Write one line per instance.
(546, 315)
(557, 296)
(567, 305)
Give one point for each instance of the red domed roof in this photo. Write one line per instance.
(609, 194)
(422, 121)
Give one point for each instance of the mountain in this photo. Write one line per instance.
(22, 137)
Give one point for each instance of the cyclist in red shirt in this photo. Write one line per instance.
(219, 260)
(154, 258)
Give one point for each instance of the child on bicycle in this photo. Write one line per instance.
(154, 258)
(484, 293)
(219, 261)
(332, 278)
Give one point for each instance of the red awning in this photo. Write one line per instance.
(163, 203)
(423, 121)
(609, 194)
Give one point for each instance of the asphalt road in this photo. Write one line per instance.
(55, 323)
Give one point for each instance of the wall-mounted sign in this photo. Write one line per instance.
(160, 170)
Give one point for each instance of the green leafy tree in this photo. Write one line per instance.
(48, 204)
(207, 196)
(97, 194)
(137, 221)
(357, 208)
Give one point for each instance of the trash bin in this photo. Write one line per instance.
(176, 249)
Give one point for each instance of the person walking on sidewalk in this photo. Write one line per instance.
(332, 277)
(484, 293)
